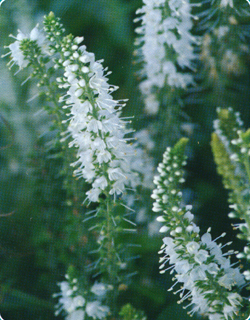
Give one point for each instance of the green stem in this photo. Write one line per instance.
(111, 259)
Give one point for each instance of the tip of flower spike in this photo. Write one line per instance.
(51, 15)
(181, 144)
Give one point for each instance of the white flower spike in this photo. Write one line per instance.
(197, 260)
(97, 131)
(164, 44)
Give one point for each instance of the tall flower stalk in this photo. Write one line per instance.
(32, 50)
(94, 123)
(166, 58)
(104, 155)
(88, 119)
(164, 44)
(207, 277)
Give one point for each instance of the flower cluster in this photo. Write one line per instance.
(104, 154)
(231, 148)
(206, 275)
(164, 42)
(15, 50)
(75, 305)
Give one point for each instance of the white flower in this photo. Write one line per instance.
(188, 273)
(65, 288)
(96, 310)
(93, 194)
(164, 229)
(78, 301)
(151, 104)
(192, 247)
(99, 289)
(101, 183)
(201, 256)
(76, 315)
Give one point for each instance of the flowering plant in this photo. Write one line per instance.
(104, 170)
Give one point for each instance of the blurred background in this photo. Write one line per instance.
(31, 195)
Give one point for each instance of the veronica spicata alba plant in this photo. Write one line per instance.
(89, 122)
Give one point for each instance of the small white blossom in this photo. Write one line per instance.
(96, 310)
(99, 289)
